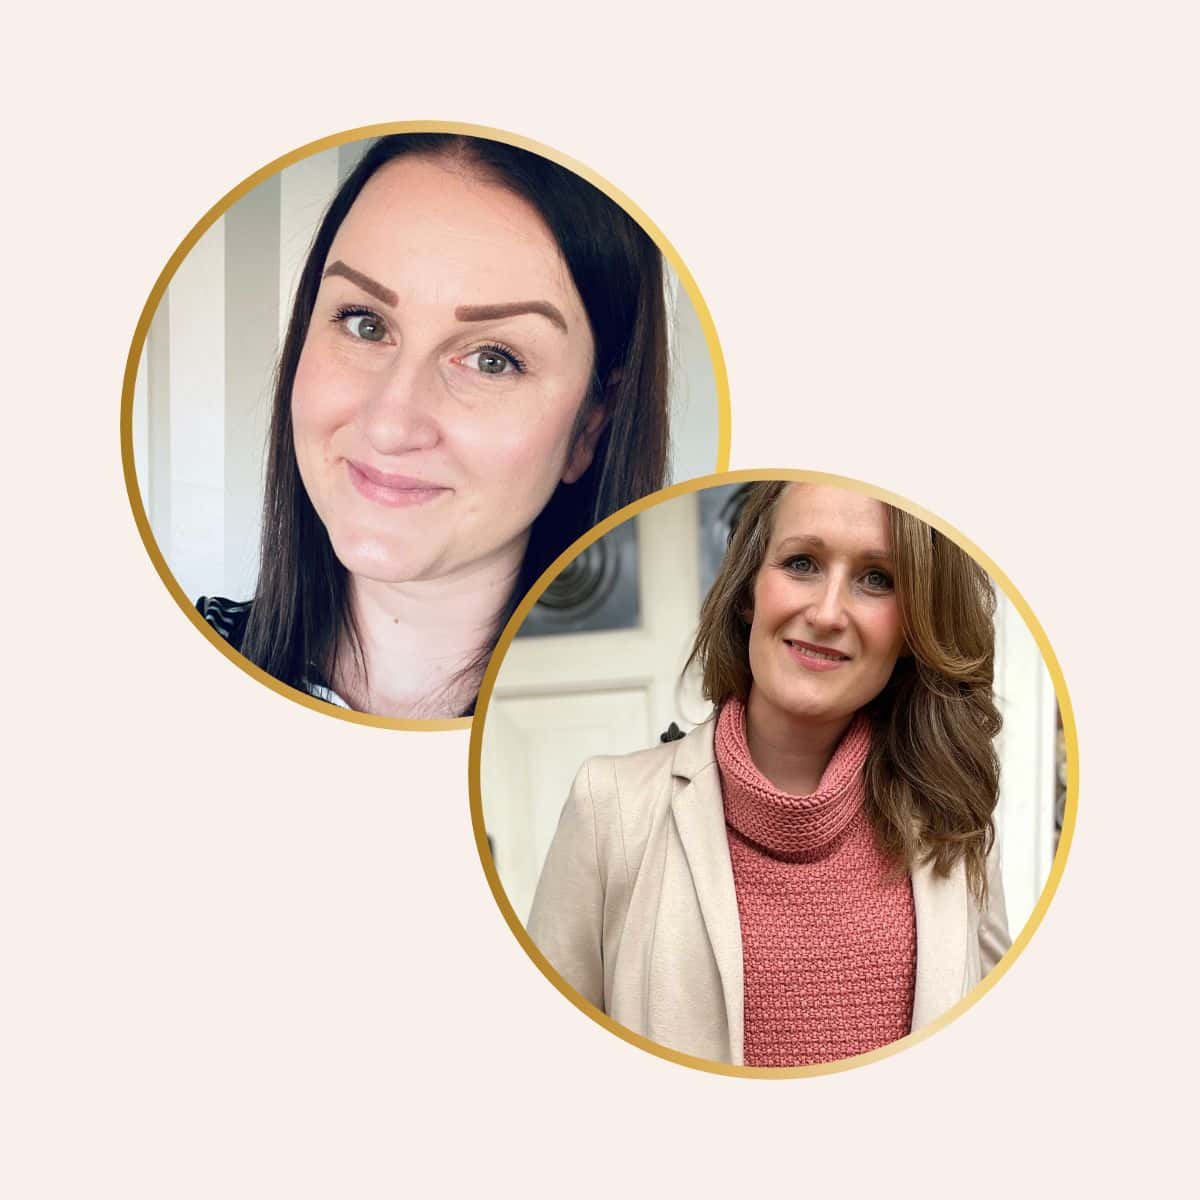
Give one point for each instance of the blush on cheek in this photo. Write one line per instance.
(889, 633)
(323, 397)
(524, 468)
(304, 423)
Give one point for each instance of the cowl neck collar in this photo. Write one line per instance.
(790, 826)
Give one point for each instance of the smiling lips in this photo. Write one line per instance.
(816, 658)
(392, 491)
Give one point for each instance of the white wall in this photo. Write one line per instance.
(216, 336)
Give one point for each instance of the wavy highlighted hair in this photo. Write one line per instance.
(932, 774)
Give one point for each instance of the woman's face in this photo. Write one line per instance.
(825, 630)
(439, 384)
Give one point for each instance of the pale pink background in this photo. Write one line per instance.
(249, 950)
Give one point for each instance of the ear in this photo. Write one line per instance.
(584, 448)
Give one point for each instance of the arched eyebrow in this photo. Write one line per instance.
(384, 295)
(464, 312)
(810, 541)
(493, 312)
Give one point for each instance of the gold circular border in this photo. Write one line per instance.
(1060, 856)
(720, 375)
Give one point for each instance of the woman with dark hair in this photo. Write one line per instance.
(473, 374)
(810, 874)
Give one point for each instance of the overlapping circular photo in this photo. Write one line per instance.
(383, 383)
(773, 774)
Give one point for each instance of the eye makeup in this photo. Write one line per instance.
(805, 566)
(499, 350)
(343, 314)
(463, 312)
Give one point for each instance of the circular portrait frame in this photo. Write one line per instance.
(1001, 581)
(166, 275)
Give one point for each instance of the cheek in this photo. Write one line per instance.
(321, 399)
(763, 620)
(522, 454)
(887, 638)
(765, 600)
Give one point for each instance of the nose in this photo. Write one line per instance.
(401, 410)
(827, 610)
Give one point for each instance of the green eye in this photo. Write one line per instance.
(491, 363)
(494, 360)
(365, 327)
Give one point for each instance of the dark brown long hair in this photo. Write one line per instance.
(932, 775)
(301, 603)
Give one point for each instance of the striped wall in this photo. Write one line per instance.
(202, 397)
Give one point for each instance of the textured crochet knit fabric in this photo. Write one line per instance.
(829, 942)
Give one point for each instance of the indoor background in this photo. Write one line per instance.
(596, 670)
(203, 393)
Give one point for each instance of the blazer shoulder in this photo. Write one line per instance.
(645, 766)
(641, 774)
(622, 787)
(630, 793)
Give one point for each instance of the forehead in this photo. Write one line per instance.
(843, 519)
(433, 230)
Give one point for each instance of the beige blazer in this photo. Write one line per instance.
(636, 909)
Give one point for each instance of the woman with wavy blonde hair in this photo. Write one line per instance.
(811, 874)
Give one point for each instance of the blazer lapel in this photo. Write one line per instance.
(940, 907)
(699, 814)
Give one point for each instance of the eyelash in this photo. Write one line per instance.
(789, 564)
(356, 310)
(498, 348)
(505, 352)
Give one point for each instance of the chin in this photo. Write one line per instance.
(808, 707)
(380, 560)
(820, 713)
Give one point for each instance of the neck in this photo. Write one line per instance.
(420, 641)
(792, 752)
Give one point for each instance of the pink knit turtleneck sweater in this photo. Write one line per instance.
(829, 942)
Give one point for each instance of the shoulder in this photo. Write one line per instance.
(633, 787)
(227, 617)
